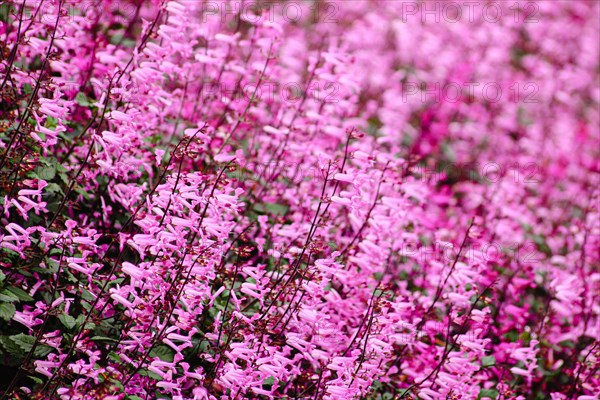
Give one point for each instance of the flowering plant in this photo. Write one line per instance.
(298, 200)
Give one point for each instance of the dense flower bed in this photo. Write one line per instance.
(299, 200)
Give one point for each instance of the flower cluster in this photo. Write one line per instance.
(230, 200)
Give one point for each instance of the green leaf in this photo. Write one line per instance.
(45, 173)
(542, 245)
(271, 208)
(87, 296)
(567, 343)
(488, 393)
(79, 321)
(53, 162)
(165, 353)
(25, 342)
(53, 188)
(7, 297)
(68, 321)
(117, 384)
(269, 381)
(82, 100)
(488, 361)
(82, 192)
(145, 372)
(20, 293)
(9, 345)
(35, 379)
(512, 336)
(41, 350)
(64, 177)
(103, 339)
(277, 209)
(7, 311)
(116, 38)
(51, 122)
(2, 277)
(10, 253)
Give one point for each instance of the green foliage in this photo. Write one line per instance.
(19, 293)
(7, 311)
(271, 208)
(18, 346)
(488, 361)
(68, 321)
(165, 353)
(145, 372)
(488, 393)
